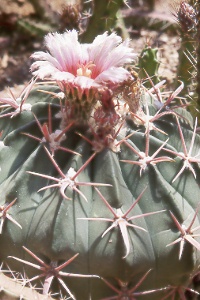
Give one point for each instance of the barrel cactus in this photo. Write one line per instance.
(99, 179)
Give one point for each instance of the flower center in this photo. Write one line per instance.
(85, 69)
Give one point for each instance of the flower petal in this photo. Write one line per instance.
(106, 51)
(100, 48)
(45, 69)
(113, 75)
(48, 58)
(86, 82)
(119, 56)
(63, 76)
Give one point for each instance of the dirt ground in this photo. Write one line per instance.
(18, 40)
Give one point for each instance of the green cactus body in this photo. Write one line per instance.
(103, 205)
(148, 65)
(53, 228)
(104, 18)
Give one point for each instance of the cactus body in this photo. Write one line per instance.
(126, 225)
(51, 225)
(149, 64)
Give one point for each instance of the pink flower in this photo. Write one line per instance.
(83, 66)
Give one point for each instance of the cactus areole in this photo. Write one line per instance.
(99, 178)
